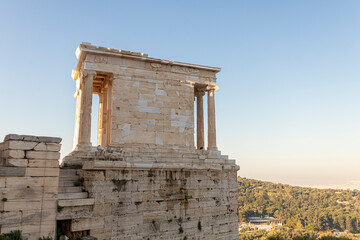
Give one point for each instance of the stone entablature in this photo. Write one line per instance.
(143, 100)
(151, 63)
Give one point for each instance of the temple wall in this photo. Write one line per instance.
(153, 103)
(29, 175)
(153, 111)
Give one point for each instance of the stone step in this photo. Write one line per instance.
(70, 189)
(68, 172)
(68, 178)
(75, 195)
(162, 155)
(67, 183)
(76, 202)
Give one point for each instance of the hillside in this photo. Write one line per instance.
(300, 207)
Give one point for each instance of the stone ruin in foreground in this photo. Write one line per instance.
(147, 179)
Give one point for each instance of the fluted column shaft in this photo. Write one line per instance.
(200, 120)
(211, 120)
(100, 118)
(87, 78)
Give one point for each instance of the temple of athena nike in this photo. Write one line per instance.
(148, 176)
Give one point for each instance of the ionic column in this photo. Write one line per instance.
(77, 95)
(84, 139)
(104, 117)
(211, 120)
(100, 118)
(110, 95)
(199, 119)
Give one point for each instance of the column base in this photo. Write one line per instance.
(212, 149)
(213, 152)
(83, 148)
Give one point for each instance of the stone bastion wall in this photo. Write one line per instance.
(192, 199)
(29, 176)
(177, 194)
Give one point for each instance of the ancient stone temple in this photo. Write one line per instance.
(146, 177)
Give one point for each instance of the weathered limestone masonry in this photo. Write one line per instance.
(147, 179)
(29, 176)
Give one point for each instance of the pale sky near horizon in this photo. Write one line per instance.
(288, 109)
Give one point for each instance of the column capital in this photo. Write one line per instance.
(84, 73)
(199, 90)
(199, 93)
(212, 88)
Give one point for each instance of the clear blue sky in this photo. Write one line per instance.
(288, 109)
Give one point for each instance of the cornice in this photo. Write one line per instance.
(84, 48)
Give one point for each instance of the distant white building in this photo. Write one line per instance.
(260, 223)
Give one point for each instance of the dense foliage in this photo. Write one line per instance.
(287, 233)
(299, 207)
(13, 235)
(17, 235)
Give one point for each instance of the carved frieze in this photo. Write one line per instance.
(155, 65)
(186, 70)
(101, 59)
